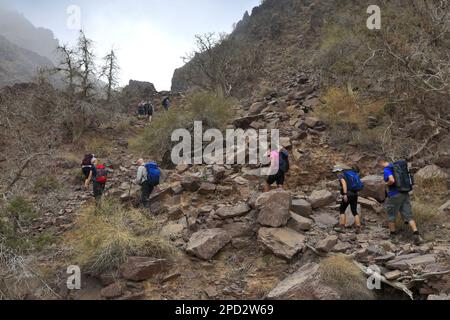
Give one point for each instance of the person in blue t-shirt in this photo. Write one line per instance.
(397, 202)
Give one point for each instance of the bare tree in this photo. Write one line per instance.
(68, 66)
(86, 64)
(110, 72)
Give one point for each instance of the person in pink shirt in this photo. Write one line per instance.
(279, 165)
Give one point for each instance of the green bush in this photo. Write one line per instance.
(212, 110)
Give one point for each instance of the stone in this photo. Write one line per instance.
(225, 190)
(143, 268)
(175, 213)
(321, 198)
(299, 223)
(240, 229)
(301, 207)
(257, 108)
(374, 187)
(445, 207)
(234, 211)
(305, 284)
(207, 188)
(206, 244)
(285, 142)
(443, 161)
(411, 261)
(283, 242)
(430, 173)
(112, 291)
(274, 208)
(371, 204)
(342, 247)
(324, 220)
(393, 275)
(190, 183)
(311, 122)
(172, 231)
(441, 297)
(327, 244)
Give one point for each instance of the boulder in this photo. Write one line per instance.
(299, 223)
(430, 173)
(257, 108)
(274, 208)
(301, 207)
(285, 142)
(206, 243)
(112, 291)
(143, 268)
(207, 188)
(305, 284)
(191, 183)
(443, 161)
(371, 204)
(406, 262)
(234, 211)
(322, 198)
(283, 242)
(327, 244)
(324, 220)
(312, 122)
(240, 229)
(374, 187)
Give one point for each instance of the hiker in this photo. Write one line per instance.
(87, 166)
(148, 176)
(141, 109)
(99, 177)
(350, 185)
(149, 110)
(399, 184)
(279, 166)
(166, 103)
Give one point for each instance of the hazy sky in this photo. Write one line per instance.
(150, 36)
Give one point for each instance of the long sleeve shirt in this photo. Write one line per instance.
(141, 175)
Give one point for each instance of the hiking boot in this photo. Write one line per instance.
(340, 229)
(418, 240)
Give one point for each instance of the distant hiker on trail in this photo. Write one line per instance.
(279, 166)
(99, 177)
(148, 177)
(87, 166)
(399, 183)
(166, 103)
(149, 110)
(350, 185)
(141, 109)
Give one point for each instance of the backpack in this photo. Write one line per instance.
(153, 173)
(284, 161)
(353, 180)
(403, 179)
(87, 160)
(102, 174)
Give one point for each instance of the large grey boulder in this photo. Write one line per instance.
(206, 243)
(430, 173)
(301, 207)
(299, 223)
(234, 211)
(374, 187)
(274, 208)
(283, 242)
(321, 198)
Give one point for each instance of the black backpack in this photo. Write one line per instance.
(403, 178)
(284, 161)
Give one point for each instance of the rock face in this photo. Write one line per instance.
(206, 243)
(274, 208)
(299, 223)
(322, 198)
(430, 173)
(305, 284)
(301, 207)
(283, 242)
(139, 89)
(374, 187)
(191, 183)
(143, 268)
(232, 212)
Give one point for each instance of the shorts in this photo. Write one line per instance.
(352, 202)
(278, 178)
(399, 203)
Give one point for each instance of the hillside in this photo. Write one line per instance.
(18, 64)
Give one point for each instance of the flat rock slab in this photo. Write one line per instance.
(143, 268)
(299, 223)
(283, 242)
(324, 220)
(234, 211)
(327, 244)
(301, 207)
(411, 261)
(206, 243)
(274, 208)
(321, 198)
